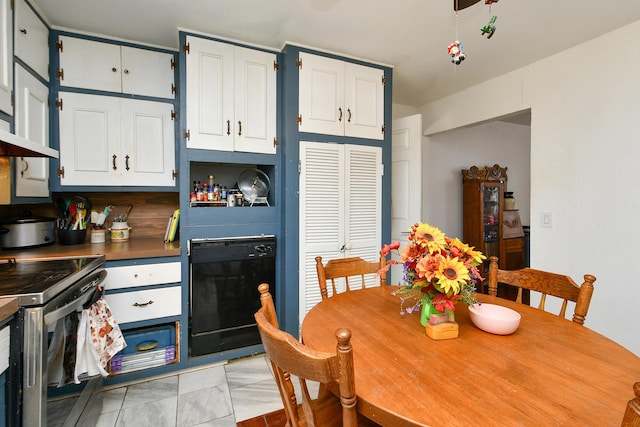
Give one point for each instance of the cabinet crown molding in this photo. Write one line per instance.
(487, 173)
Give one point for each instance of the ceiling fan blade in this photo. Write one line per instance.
(463, 4)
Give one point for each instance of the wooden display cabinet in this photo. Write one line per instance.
(483, 215)
(483, 207)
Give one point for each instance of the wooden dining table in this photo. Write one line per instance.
(551, 371)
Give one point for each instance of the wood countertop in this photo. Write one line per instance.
(131, 249)
(8, 307)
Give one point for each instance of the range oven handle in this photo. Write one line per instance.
(76, 298)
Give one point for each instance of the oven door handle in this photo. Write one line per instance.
(75, 302)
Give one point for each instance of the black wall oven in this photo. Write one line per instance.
(223, 291)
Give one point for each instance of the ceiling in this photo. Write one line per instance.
(410, 35)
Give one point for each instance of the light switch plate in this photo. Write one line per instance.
(546, 220)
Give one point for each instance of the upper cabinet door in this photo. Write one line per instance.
(148, 146)
(340, 98)
(255, 101)
(321, 98)
(31, 39)
(90, 65)
(147, 72)
(231, 97)
(32, 123)
(364, 101)
(210, 92)
(90, 140)
(6, 56)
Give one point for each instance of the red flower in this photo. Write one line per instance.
(388, 248)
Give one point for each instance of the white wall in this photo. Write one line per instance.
(400, 110)
(585, 146)
(447, 153)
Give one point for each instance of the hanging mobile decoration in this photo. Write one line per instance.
(490, 28)
(455, 48)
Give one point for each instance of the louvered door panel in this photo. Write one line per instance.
(340, 187)
(363, 203)
(321, 213)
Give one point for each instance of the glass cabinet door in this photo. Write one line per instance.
(491, 218)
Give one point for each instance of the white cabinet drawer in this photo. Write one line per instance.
(130, 276)
(5, 336)
(145, 305)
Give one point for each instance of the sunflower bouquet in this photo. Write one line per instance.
(437, 270)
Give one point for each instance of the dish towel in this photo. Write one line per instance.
(61, 355)
(99, 339)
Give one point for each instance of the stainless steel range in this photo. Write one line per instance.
(47, 290)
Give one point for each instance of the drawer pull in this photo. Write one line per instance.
(144, 304)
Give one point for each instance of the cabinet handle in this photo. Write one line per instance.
(126, 71)
(239, 128)
(228, 127)
(126, 162)
(114, 162)
(349, 113)
(114, 69)
(26, 166)
(23, 30)
(340, 117)
(144, 304)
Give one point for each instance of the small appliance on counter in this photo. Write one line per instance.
(27, 231)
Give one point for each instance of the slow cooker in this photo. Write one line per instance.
(26, 232)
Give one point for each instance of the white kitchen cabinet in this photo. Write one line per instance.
(149, 293)
(6, 56)
(111, 141)
(340, 98)
(340, 209)
(145, 304)
(133, 276)
(31, 39)
(231, 97)
(5, 345)
(32, 123)
(90, 64)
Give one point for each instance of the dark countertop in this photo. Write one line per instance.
(131, 249)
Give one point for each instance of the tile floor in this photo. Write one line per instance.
(217, 395)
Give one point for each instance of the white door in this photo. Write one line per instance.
(148, 147)
(340, 203)
(6, 56)
(31, 39)
(147, 72)
(321, 97)
(32, 123)
(210, 95)
(255, 101)
(90, 140)
(406, 181)
(90, 64)
(364, 101)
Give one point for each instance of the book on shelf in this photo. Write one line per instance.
(172, 226)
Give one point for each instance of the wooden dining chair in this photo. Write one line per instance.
(632, 414)
(333, 370)
(346, 268)
(546, 283)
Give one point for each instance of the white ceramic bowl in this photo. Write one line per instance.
(494, 319)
